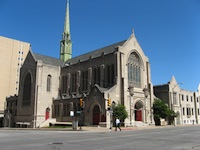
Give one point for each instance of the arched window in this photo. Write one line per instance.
(49, 83)
(27, 90)
(134, 70)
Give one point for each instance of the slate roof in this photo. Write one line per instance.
(96, 53)
(48, 60)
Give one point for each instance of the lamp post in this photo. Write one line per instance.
(146, 94)
(131, 92)
(75, 119)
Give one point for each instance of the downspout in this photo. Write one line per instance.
(195, 105)
(35, 106)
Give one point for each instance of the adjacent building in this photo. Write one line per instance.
(13, 53)
(184, 103)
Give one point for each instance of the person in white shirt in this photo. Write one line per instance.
(117, 124)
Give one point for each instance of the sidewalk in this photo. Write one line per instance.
(97, 128)
(103, 129)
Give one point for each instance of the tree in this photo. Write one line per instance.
(161, 110)
(119, 111)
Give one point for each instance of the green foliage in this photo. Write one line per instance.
(161, 110)
(119, 111)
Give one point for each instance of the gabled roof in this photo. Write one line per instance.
(48, 60)
(96, 53)
(102, 90)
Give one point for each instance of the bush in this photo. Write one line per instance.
(161, 110)
(119, 111)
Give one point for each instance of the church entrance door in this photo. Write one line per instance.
(138, 115)
(138, 111)
(96, 115)
(47, 113)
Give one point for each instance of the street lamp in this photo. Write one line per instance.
(131, 92)
(146, 94)
(75, 119)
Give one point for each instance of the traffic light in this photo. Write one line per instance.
(109, 102)
(81, 102)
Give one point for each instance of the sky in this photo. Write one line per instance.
(168, 30)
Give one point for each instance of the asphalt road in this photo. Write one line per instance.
(171, 138)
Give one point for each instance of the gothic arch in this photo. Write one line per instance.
(27, 81)
(139, 108)
(139, 55)
(28, 71)
(134, 69)
(96, 112)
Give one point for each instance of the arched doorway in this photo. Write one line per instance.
(47, 113)
(138, 111)
(96, 115)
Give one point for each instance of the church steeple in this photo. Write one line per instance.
(65, 43)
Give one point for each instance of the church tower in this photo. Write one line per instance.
(65, 43)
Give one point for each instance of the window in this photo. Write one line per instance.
(188, 112)
(174, 98)
(49, 83)
(187, 98)
(64, 84)
(182, 97)
(191, 99)
(134, 70)
(84, 80)
(97, 75)
(183, 111)
(27, 90)
(109, 76)
(74, 84)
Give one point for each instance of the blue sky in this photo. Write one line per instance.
(167, 30)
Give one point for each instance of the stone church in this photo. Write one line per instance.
(119, 73)
(83, 89)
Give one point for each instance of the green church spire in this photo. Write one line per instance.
(65, 43)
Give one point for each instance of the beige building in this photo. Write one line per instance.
(39, 82)
(13, 53)
(183, 102)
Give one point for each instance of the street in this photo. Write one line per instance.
(170, 138)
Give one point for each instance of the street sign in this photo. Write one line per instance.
(71, 113)
(78, 112)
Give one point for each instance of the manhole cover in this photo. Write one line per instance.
(56, 143)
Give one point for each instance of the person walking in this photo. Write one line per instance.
(117, 124)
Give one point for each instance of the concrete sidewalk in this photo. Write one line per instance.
(97, 128)
(103, 129)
